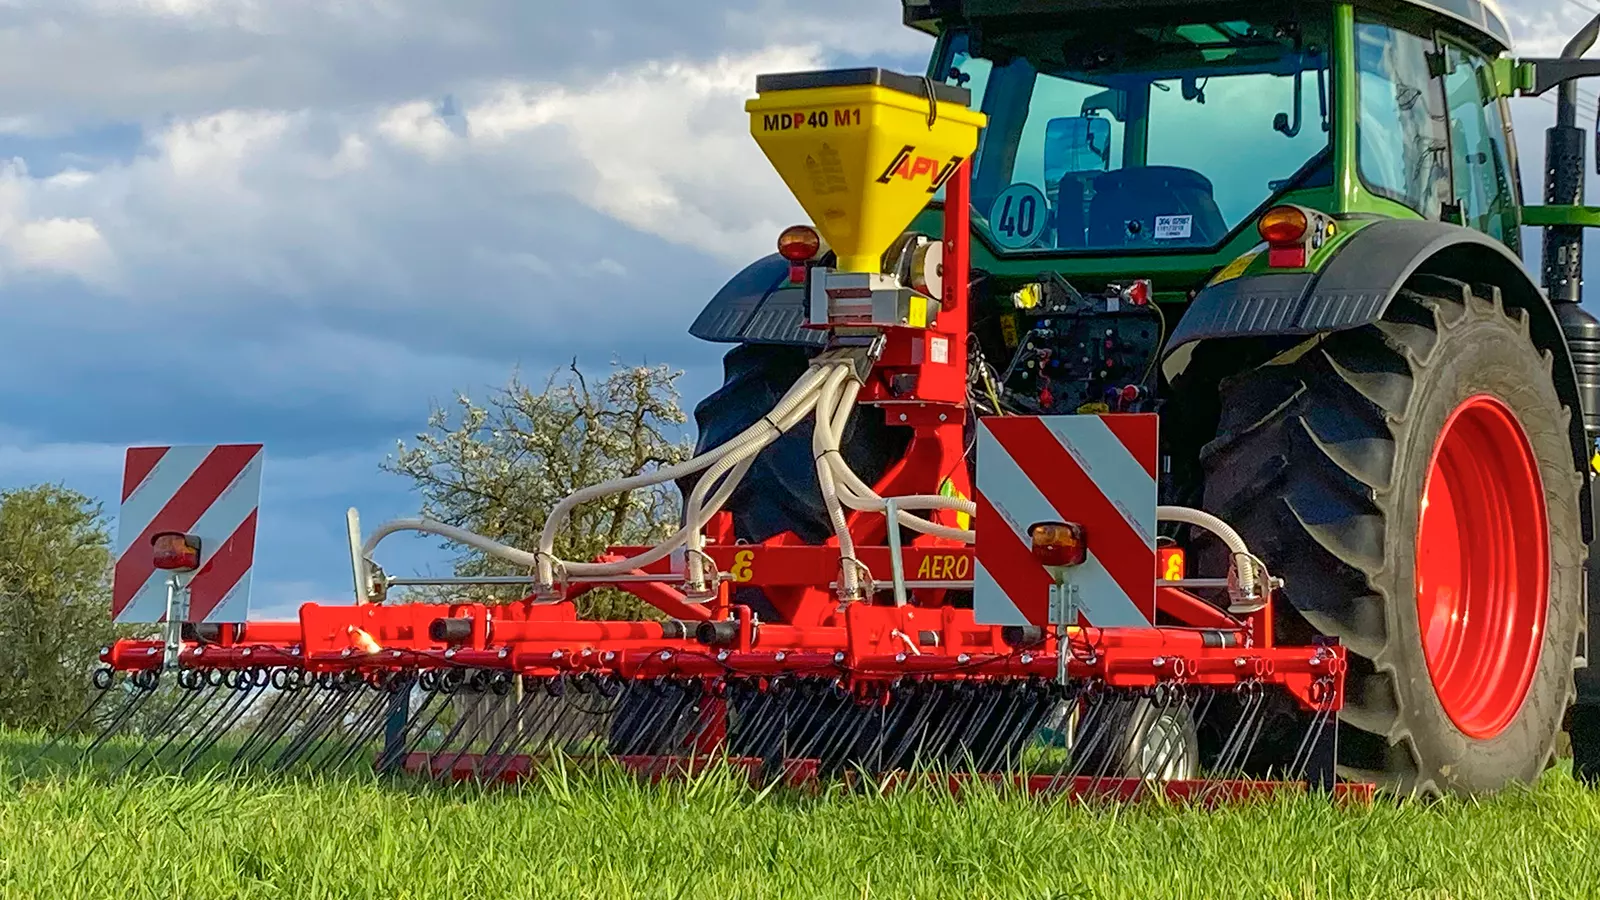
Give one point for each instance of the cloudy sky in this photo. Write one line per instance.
(305, 222)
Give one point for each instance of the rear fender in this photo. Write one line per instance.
(758, 306)
(1357, 285)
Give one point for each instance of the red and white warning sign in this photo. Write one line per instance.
(1095, 471)
(211, 492)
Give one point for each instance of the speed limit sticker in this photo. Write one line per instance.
(1017, 218)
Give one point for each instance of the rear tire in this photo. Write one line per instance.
(1321, 460)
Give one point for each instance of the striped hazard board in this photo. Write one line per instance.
(1098, 471)
(212, 492)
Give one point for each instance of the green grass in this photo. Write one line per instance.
(601, 834)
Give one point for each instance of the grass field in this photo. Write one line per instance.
(600, 834)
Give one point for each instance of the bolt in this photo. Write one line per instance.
(588, 652)
(902, 417)
(943, 417)
(395, 653)
(245, 652)
(722, 656)
(345, 652)
(666, 655)
(150, 651)
(900, 657)
(1027, 658)
(294, 651)
(450, 654)
(1158, 661)
(555, 654)
(839, 657)
(1238, 661)
(964, 657)
(610, 655)
(105, 651)
(200, 651)
(780, 656)
(503, 653)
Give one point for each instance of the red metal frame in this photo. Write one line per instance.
(868, 646)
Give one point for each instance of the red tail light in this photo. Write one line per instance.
(1059, 543)
(176, 551)
(1288, 230)
(799, 243)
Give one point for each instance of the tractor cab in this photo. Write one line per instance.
(1148, 139)
(1111, 139)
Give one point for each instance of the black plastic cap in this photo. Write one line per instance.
(1021, 635)
(714, 634)
(450, 631)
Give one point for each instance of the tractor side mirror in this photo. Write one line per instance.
(1076, 144)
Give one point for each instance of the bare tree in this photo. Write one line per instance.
(499, 468)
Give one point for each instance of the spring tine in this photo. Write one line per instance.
(348, 737)
(212, 728)
(354, 694)
(1234, 753)
(456, 728)
(762, 728)
(302, 694)
(1006, 723)
(412, 737)
(192, 713)
(482, 720)
(835, 713)
(84, 715)
(135, 701)
(399, 683)
(332, 709)
(279, 708)
(1308, 743)
(221, 725)
(179, 704)
(511, 726)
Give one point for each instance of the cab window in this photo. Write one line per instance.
(1403, 144)
(1480, 163)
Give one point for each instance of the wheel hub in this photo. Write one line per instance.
(1482, 570)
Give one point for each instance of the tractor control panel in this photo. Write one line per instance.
(1083, 353)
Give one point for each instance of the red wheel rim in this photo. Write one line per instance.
(1482, 566)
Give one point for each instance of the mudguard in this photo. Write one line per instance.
(758, 306)
(1356, 286)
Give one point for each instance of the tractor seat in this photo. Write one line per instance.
(1127, 203)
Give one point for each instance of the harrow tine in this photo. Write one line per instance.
(302, 693)
(103, 687)
(331, 753)
(246, 693)
(340, 723)
(193, 689)
(142, 692)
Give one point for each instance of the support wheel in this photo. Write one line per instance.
(1413, 482)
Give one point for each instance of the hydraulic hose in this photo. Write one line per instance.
(800, 398)
(1243, 559)
(827, 393)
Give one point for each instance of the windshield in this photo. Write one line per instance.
(1141, 138)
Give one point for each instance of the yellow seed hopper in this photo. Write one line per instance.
(863, 150)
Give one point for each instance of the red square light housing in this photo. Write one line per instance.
(176, 551)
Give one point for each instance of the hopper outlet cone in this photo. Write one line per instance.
(863, 150)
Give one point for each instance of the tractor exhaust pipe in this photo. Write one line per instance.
(1563, 185)
(1565, 166)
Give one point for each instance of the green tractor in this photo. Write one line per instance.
(1351, 364)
